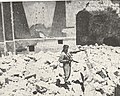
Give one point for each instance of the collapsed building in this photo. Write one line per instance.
(43, 28)
(97, 73)
(78, 22)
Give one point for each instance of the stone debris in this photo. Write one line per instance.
(97, 73)
(30, 76)
(41, 89)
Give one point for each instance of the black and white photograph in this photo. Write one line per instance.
(60, 48)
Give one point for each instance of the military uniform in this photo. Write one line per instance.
(66, 59)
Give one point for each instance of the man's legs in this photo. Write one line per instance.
(67, 71)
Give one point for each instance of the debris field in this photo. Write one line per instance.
(97, 73)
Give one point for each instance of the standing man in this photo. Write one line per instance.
(66, 59)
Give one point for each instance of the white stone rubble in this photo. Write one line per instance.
(20, 74)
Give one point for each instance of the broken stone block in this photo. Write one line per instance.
(3, 70)
(5, 62)
(41, 89)
(100, 90)
(16, 75)
(4, 67)
(47, 62)
(81, 84)
(44, 79)
(117, 73)
(58, 82)
(54, 93)
(34, 92)
(30, 76)
(1, 84)
(6, 80)
(32, 58)
(54, 66)
(101, 74)
(27, 59)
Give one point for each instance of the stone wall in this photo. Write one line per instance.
(1, 27)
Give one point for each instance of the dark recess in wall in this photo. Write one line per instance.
(60, 41)
(32, 48)
(82, 26)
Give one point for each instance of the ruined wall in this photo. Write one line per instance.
(53, 45)
(106, 26)
(59, 20)
(20, 25)
(21, 28)
(52, 15)
(73, 7)
(1, 28)
(7, 21)
(40, 12)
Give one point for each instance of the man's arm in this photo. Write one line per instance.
(74, 52)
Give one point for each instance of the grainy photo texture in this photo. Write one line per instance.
(60, 48)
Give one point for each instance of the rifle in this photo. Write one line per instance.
(73, 61)
(74, 52)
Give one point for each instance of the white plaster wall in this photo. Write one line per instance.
(39, 12)
(52, 45)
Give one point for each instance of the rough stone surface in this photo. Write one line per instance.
(46, 79)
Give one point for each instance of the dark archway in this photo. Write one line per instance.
(82, 26)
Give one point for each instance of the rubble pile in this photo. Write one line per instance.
(40, 74)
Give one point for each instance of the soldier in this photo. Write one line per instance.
(66, 59)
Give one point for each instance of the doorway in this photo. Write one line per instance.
(82, 27)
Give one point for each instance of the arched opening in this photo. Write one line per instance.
(82, 26)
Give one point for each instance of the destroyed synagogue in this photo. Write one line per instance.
(60, 48)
